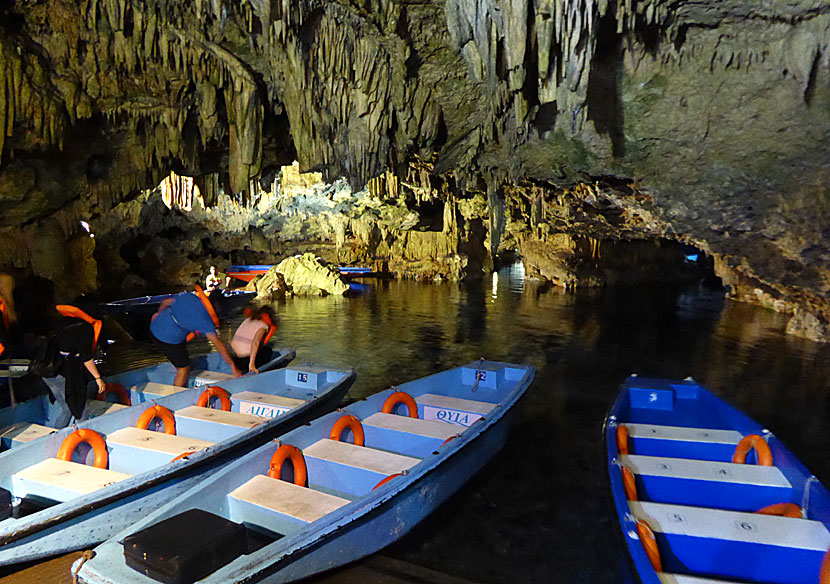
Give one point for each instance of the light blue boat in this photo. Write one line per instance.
(34, 418)
(705, 495)
(60, 501)
(358, 499)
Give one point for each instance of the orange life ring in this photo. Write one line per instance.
(386, 480)
(749, 442)
(649, 544)
(629, 483)
(206, 303)
(824, 575)
(91, 437)
(622, 439)
(782, 510)
(157, 411)
(74, 312)
(117, 389)
(283, 453)
(453, 437)
(272, 328)
(217, 392)
(400, 397)
(353, 424)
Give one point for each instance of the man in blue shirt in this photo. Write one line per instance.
(179, 317)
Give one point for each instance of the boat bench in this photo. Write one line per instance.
(682, 442)
(350, 469)
(408, 436)
(723, 485)
(95, 408)
(151, 391)
(453, 410)
(263, 404)
(20, 433)
(278, 505)
(666, 578)
(201, 377)
(133, 450)
(59, 480)
(213, 425)
(734, 545)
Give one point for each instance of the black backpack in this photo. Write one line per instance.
(46, 359)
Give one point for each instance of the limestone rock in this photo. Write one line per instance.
(306, 274)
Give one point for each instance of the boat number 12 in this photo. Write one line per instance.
(303, 377)
(481, 375)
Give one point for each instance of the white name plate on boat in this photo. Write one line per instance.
(205, 377)
(453, 410)
(265, 405)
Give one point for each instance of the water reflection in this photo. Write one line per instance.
(540, 509)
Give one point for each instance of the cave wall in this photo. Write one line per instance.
(713, 113)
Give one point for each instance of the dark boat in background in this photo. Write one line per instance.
(134, 313)
(705, 495)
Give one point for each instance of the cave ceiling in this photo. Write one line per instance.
(716, 112)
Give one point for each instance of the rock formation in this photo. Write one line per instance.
(555, 129)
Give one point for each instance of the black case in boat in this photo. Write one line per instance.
(186, 547)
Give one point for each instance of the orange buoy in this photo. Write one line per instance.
(649, 544)
(622, 439)
(400, 397)
(386, 480)
(782, 510)
(282, 454)
(749, 442)
(629, 483)
(217, 392)
(160, 412)
(117, 389)
(91, 437)
(348, 421)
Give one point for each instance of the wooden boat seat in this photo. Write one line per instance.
(682, 442)
(348, 454)
(452, 409)
(96, 407)
(298, 503)
(342, 467)
(151, 390)
(60, 480)
(666, 578)
(23, 432)
(740, 487)
(433, 429)
(734, 545)
(211, 424)
(205, 377)
(156, 441)
(264, 404)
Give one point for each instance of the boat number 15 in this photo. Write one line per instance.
(303, 377)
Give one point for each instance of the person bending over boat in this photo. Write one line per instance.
(74, 339)
(178, 320)
(250, 342)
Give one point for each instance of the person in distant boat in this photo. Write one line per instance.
(250, 342)
(75, 338)
(182, 317)
(213, 281)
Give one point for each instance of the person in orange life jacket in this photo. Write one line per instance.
(250, 342)
(177, 318)
(75, 338)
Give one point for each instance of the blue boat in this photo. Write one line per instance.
(705, 495)
(54, 499)
(33, 418)
(358, 479)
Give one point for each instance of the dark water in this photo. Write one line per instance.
(539, 512)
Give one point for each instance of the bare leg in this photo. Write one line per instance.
(181, 376)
